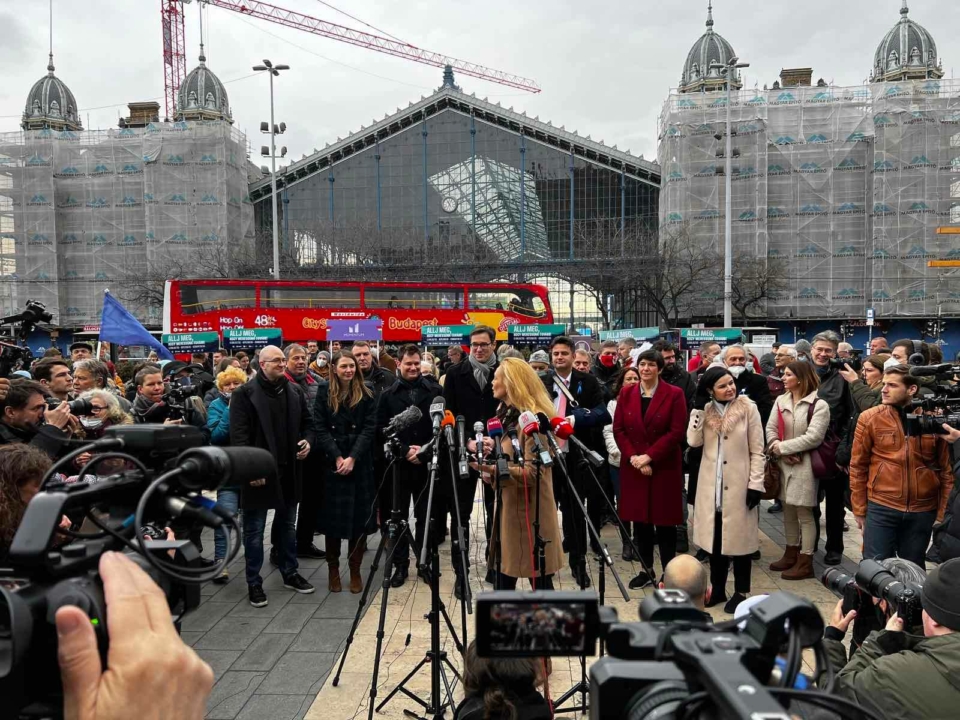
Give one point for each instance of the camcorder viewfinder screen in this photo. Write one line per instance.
(538, 626)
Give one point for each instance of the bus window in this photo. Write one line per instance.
(386, 298)
(512, 299)
(205, 298)
(307, 297)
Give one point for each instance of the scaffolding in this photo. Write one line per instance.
(846, 185)
(84, 211)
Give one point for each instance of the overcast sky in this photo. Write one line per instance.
(605, 67)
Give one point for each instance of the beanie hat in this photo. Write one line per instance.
(941, 594)
(803, 347)
(539, 356)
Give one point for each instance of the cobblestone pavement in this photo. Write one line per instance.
(278, 662)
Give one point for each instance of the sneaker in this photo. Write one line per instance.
(222, 579)
(640, 581)
(296, 583)
(731, 607)
(258, 598)
(833, 558)
(311, 551)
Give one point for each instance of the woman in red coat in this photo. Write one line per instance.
(649, 426)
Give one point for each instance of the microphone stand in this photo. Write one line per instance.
(539, 544)
(466, 603)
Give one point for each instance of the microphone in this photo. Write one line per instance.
(401, 421)
(463, 466)
(515, 442)
(436, 412)
(531, 428)
(478, 437)
(447, 424)
(207, 468)
(564, 430)
(495, 431)
(926, 370)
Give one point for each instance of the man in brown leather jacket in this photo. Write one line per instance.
(899, 484)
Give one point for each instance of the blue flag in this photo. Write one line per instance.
(117, 325)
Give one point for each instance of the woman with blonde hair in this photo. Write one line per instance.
(345, 414)
(519, 388)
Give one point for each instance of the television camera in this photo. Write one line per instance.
(875, 580)
(14, 353)
(159, 474)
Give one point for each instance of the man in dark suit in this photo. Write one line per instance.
(270, 412)
(578, 397)
(749, 383)
(468, 391)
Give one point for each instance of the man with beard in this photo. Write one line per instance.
(673, 373)
(374, 375)
(412, 389)
(607, 367)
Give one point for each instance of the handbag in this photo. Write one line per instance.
(772, 477)
(824, 456)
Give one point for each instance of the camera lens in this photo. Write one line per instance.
(658, 701)
(835, 579)
(81, 406)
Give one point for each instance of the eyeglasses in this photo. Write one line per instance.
(97, 408)
(282, 361)
(480, 346)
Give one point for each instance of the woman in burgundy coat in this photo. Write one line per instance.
(649, 425)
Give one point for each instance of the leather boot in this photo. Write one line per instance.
(801, 571)
(788, 560)
(354, 560)
(333, 563)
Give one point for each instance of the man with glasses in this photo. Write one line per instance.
(468, 391)
(270, 412)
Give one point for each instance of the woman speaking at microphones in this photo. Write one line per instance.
(519, 390)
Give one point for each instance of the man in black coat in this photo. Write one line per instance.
(25, 418)
(607, 368)
(748, 382)
(270, 412)
(673, 373)
(468, 391)
(374, 375)
(578, 397)
(412, 389)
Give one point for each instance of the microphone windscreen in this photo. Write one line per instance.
(494, 427)
(448, 418)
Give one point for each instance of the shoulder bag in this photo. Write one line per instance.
(824, 456)
(772, 477)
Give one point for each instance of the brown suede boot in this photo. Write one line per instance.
(788, 560)
(333, 563)
(801, 571)
(354, 560)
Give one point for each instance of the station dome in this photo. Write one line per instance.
(700, 73)
(50, 104)
(907, 52)
(202, 95)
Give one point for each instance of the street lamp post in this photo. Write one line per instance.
(273, 70)
(730, 71)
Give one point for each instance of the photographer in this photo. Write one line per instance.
(152, 402)
(26, 419)
(899, 675)
(150, 671)
(899, 483)
(502, 688)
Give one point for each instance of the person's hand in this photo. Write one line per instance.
(487, 445)
(840, 621)
(951, 435)
(303, 449)
(644, 460)
(259, 482)
(339, 464)
(860, 521)
(59, 417)
(178, 421)
(894, 624)
(774, 448)
(411, 456)
(4, 388)
(346, 467)
(150, 673)
(848, 374)
(635, 461)
(65, 523)
(753, 498)
(794, 459)
(82, 459)
(646, 470)
(73, 425)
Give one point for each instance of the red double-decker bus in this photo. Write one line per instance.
(302, 309)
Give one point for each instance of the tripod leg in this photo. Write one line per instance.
(401, 687)
(446, 684)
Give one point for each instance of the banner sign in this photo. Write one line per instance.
(251, 338)
(693, 338)
(201, 342)
(638, 334)
(537, 335)
(348, 330)
(436, 335)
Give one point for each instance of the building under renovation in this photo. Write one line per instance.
(843, 186)
(83, 211)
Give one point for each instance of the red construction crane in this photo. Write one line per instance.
(174, 60)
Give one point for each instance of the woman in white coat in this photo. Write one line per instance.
(730, 482)
(791, 439)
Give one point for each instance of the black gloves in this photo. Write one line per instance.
(700, 401)
(753, 498)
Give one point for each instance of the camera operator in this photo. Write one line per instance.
(503, 688)
(26, 419)
(914, 353)
(150, 671)
(54, 374)
(151, 402)
(686, 573)
(901, 675)
(899, 483)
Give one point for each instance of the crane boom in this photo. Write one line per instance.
(299, 21)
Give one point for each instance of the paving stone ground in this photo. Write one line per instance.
(278, 662)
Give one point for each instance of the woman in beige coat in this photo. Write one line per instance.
(791, 439)
(730, 483)
(518, 388)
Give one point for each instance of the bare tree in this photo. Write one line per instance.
(755, 280)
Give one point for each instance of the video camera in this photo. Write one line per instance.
(165, 470)
(674, 663)
(854, 361)
(15, 355)
(177, 394)
(946, 409)
(875, 580)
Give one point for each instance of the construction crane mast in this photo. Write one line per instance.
(174, 60)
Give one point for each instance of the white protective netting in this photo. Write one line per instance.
(847, 185)
(81, 212)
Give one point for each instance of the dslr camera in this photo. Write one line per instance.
(874, 580)
(854, 361)
(674, 663)
(162, 471)
(77, 407)
(16, 355)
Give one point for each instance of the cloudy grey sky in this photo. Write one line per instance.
(605, 67)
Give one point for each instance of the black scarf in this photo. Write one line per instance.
(411, 387)
(272, 388)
